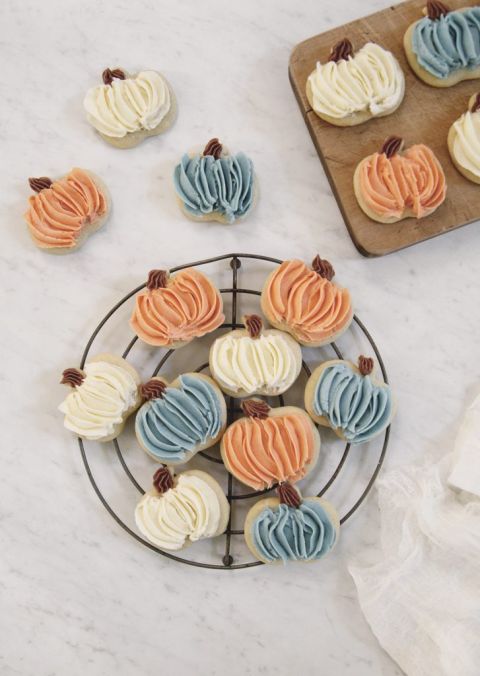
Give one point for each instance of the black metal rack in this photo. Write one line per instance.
(227, 561)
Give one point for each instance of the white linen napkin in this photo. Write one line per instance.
(421, 596)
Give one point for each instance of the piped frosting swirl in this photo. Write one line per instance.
(59, 212)
(188, 307)
(466, 143)
(371, 80)
(128, 105)
(448, 42)
(304, 533)
(180, 420)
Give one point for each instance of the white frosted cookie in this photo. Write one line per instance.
(351, 88)
(290, 528)
(126, 109)
(65, 211)
(443, 47)
(182, 509)
(104, 393)
(464, 141)
(394, 184)
(255, 360)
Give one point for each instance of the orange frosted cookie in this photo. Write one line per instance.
(175, 309)
(305, 302)
(270, 445)
(391, 185)
(64, 212)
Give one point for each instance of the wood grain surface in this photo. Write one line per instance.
(424, 116)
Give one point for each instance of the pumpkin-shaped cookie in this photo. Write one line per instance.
(181, 418)
(443, 47)
(182, 509)
(391, 185)
(291, 528)
(349, 399)
(306, 303)
(351, 88)
(464, 141)
(64, 212)
(214, 185)
(125, 109)
(270, 445)
(255, 361)
(103, 395)
(175, 309)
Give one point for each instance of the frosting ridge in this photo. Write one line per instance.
(305, 533)
(183, 418)
(208, 185)
(352, 403)
(448, 43)
(466, 145)
(58, 214)
(188, 307)
(128, 105)
(371, 80)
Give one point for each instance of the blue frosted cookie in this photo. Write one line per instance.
(349, 399)
(214, 185)
(289, 528)
(179, 419)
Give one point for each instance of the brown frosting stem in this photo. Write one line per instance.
(436, 9)
(342, 50)
(40, 183)
(323, 268)
(476, 104)
(254, 408)
(72, 377)
(163, 479)
(153, 389)
(214, 148)
(109, 75)
(365, 365)
(157, 279)
(289, 495)
(254, 325)
(392, 146)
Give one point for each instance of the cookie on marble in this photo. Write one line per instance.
(393, 184)
(176, 308)
(255, 360)
(65, 211)
(270, 445)
(355, 404)
(443, 48)
(104, 393)
(180, 418)
(464, 141)
(306, 303)
(182, 509)
(352, 87)
(215, 186)
(290, 528)
(126, 109)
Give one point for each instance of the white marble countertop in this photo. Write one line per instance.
(78, 596)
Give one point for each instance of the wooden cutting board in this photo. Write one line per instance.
(424, 116)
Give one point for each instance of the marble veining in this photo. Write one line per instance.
(78, 596)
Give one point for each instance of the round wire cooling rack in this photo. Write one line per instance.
(227, 559)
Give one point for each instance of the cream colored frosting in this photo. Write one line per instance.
(267, 362)
(189, 511)
(466, 146)
(94, 408)
(370, 80)
(129, 105)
